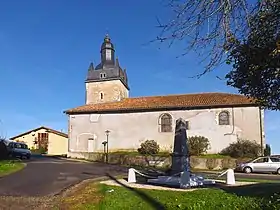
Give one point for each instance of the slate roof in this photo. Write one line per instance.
(168, 102)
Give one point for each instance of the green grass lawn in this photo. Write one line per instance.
(252, 180)
(10, 166)
(96, 196)
(213, 156)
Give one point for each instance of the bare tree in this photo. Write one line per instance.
(210, 27)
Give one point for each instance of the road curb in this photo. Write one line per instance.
(65, 158)
(78, 160)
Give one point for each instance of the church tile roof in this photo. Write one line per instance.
(186, 101)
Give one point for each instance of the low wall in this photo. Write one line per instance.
(158, 161)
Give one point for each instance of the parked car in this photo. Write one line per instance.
(18, 149)
(268, 164)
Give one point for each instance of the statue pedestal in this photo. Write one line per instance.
(183, 180)
(180, 162)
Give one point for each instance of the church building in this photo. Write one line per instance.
(110, 114)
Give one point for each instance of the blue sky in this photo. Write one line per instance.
(46, 48)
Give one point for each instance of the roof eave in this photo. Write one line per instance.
(108, 79)
(69, 112)
(41, 127)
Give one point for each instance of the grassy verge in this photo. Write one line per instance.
(214, 156)
(136, 153)
(252, 180)
(97, 196)
(10, 166)
(167, 154)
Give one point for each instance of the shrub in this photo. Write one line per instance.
(242, 149)
(149, 147)
(197, 145)
(267, 150)
(3, 151)
(41, 150)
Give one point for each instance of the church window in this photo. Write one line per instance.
(101, 96)
(224, 118)
(102, 75)
(166, 123)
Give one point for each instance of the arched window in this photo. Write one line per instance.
(101, 96)
(224, 118)
(166, 123)
(102, 75)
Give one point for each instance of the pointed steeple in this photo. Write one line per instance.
(117, 62)
(91, 67)
(109, 68)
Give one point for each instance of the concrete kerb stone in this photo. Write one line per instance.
(77, 160)
(66, 158)
(144, 186)
(156, 187)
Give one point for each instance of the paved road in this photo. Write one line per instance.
(270, 177)
(47, 176)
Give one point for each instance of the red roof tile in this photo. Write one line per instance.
(167, 102)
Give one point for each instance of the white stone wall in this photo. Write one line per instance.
(129, 130)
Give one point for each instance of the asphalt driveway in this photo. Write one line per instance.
(45, 176)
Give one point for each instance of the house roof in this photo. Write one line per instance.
(186, 101)
(39, 128)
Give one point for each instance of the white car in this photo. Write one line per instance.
(266, 164)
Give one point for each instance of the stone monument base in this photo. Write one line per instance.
(182, 180)
(180, 163)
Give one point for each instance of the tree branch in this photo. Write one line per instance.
(207, 24)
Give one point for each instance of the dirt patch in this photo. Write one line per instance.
(77, 195)
(85, 191)
(23, 203)
(81, 195)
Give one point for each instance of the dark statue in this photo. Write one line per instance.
(180, 174)
(180, 155)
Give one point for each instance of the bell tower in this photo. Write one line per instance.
(107, 52)
(107, 82)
